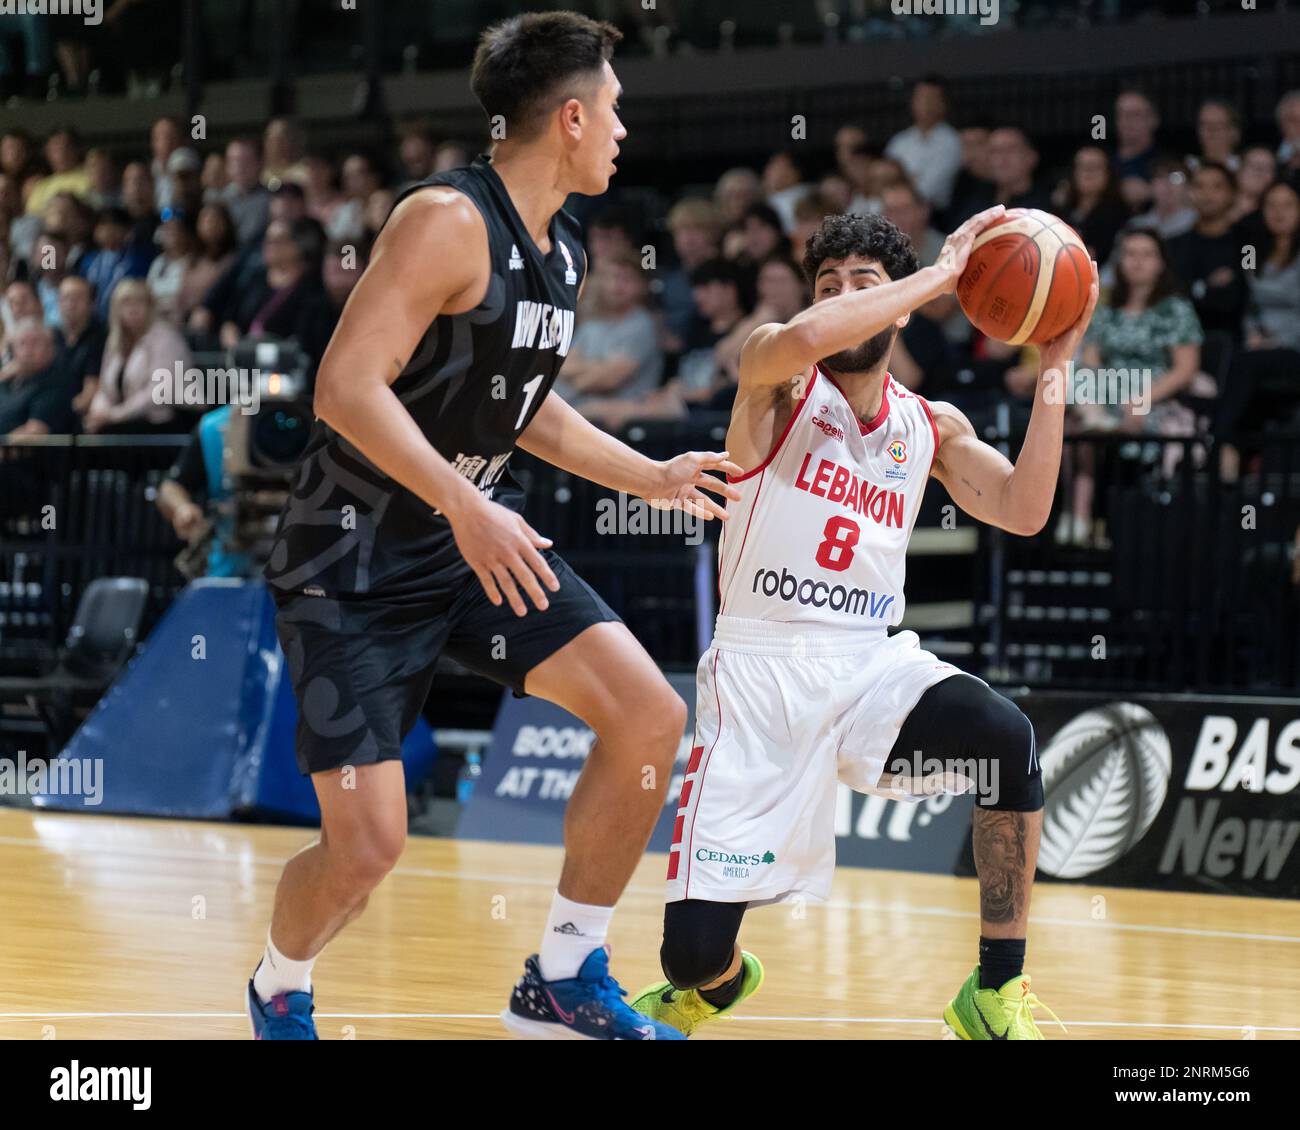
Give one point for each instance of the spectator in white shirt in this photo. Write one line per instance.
(930, 149)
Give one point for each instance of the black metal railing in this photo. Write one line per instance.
(1170, 578)
(73, 509)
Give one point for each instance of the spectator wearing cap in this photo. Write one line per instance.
(929, 149)
(35, 394)
(184, 177)
(165, 138)
(66, 157)
(114, 257)
(244, 194)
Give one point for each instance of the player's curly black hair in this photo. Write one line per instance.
(870, 236)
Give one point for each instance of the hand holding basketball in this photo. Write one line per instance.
(956, 249)
(1026, 278)
(1060, 351)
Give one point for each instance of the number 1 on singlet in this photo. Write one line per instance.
(530, 390)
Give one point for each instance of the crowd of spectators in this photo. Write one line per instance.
(115, 270)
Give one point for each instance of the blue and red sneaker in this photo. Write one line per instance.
(588, 1007)
(287, 1016)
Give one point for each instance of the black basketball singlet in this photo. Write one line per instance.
(473, 385)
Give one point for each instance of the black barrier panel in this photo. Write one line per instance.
(1156, 572)
(1172, 579)
(72, 511)
(1168, 792)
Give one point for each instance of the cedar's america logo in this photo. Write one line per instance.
(708, 855)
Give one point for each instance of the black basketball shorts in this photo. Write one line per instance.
(362, 667)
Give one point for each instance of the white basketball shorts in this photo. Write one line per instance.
(783, 711)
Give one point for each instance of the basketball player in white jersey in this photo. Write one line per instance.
(803, 685)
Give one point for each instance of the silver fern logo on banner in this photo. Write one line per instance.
(1105, 776)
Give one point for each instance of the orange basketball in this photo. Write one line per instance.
(1027, 278)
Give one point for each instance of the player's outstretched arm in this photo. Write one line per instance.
(980, 478)
(431, 258)
(563, 437)
(775, 352)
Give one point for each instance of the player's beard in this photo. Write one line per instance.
(862, 358)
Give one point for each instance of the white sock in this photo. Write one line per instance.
(573, 930)
(280, 974)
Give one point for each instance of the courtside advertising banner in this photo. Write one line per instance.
(538, 750)
(1179, 792)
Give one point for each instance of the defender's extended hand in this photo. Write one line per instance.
(680, 481)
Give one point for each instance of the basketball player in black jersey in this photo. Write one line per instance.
(403, 538)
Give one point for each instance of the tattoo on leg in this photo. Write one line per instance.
(1000, 861)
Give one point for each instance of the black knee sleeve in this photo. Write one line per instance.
(699, 940)
(963, 723)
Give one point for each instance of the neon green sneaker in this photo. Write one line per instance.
(687, 1010)
(988, 1014)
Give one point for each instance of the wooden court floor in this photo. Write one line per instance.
(125, 928)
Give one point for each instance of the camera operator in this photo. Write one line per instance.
(190, 499)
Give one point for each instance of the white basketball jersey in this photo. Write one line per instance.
(820, 533)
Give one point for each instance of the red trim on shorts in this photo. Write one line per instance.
(933, 427)
(693, 764)
(717, 697)
(867, 429)
(784, 432)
